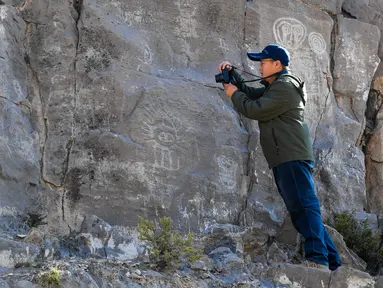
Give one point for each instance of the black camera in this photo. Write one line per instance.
(224, 77)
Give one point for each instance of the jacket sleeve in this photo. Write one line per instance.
(251, 92)
(273, 103)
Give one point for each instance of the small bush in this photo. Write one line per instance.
(166, 246)
(361, 239)
(51, 279)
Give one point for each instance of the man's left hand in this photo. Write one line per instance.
(229, 89)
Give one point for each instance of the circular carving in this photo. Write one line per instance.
(317, 43)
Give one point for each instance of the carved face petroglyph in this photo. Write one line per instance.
(292, 33)
(164, 135)
(161, 130)
(289, 32)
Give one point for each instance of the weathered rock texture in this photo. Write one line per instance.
(374, 148)
(372, 12)
(97, 274)
(129, 122)
(110, 109)
(19, 150)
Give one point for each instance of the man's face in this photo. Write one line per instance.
(268, 67)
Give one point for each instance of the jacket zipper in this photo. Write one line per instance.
(275, 140)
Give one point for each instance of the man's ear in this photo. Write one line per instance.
(278, 63)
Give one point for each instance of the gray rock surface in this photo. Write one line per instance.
(4, 284)
(287, 234)
(149, 127)
(276, 254)
(103, 240)
(251, 243)
(12, 2)
(374, 151)
(346, 277)
(130, 122)
(110, 112)
(25, 284)
(19, 166)
(347, 256)
(97, 274)
(379, 282)
(344, 160)
(17, 252)
(369, 12)
(330, 6)
(356, 61)
(51, 50)
(371, 220)
(298, 276)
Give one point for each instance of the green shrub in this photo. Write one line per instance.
(361, 239)
(165, 245)
(50, 279)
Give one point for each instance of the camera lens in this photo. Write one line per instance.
(219, 78)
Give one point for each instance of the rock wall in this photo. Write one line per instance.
(372, 12)
(111, 109)
(19, 145)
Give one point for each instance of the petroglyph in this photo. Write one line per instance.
(313, 81)
(289, 32)
(227, 171)
(17, 87)
(311, 77)
(162, 131)
(164, 134)
(317, 43)
(223, 45)
(186, 23)
(166, 158)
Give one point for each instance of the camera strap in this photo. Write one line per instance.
(259, 78)
(298, 82)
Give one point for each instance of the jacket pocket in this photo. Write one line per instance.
(275, 140)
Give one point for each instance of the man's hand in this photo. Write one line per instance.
(229, 89)
(223, 65)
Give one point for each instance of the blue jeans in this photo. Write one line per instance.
(295, 184)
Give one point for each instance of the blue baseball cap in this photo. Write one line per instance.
(272, 51)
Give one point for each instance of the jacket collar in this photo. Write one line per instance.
(267, 84)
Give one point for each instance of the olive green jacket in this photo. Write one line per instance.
(279, 109)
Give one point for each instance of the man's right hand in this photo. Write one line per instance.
(223, 65)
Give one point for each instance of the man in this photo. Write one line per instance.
(284, 136)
